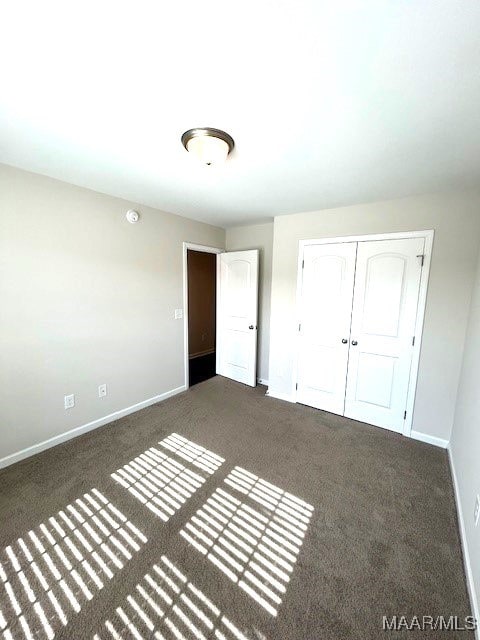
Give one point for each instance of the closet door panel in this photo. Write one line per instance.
(385, 302)
(326, 304)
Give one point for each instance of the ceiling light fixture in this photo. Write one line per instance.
(210, 146)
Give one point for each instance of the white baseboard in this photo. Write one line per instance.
(424, 437)
(84, 428)
(280, 396)
(466, 556)
(263, 381)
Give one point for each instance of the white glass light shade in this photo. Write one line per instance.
(208, 149)
(208, 145)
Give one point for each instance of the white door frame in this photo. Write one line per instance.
(422, 299)
(192, 247)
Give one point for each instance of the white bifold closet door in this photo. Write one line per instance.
(324, 332)
(358, 313)
(237, 310)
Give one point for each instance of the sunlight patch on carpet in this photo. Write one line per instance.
(49, 573)
(255, 546)
(166, 605)
(162, 483)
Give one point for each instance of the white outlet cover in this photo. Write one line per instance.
(69, 401)
(178, 314)
(476, 512)
(102, 390)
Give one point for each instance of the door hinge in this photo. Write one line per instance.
(303, 263)
(413, 341)
(300, 326)
(404, 415)
(422, 259)
(296, 386)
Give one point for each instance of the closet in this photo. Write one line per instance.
(358, 310)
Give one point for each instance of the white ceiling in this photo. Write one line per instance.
(329, 102)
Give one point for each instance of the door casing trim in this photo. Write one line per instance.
(428, 234)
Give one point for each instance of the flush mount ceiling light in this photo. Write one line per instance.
(210, 146)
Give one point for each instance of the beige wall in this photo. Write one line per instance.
(456, 220)
(202, 274)
(258, 236)
(86, 298)
(465, 442)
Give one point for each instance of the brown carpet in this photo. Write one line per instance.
(259, 519)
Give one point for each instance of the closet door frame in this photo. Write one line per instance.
(422, 299)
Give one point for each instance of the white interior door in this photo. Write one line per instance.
(325, 315)
(237, 301)
(385, 302)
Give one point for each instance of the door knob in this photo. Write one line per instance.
(344, 341)
(354, 342)
(251, 327)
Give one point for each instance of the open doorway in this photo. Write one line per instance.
(220, 297)
(202, 321)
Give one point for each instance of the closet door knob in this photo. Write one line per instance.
(344, 341)
(354, 342)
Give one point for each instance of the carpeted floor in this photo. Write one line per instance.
(259, 519)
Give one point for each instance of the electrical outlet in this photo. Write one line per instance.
(178, 314)
(69, 401)
(476, 511)
(102, 390)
